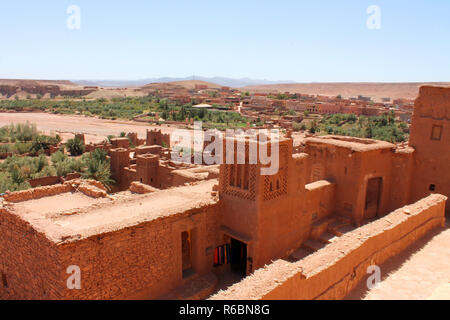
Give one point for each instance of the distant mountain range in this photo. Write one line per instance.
(228, 82)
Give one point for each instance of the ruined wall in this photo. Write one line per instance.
(38, 193)
(331, 273)
(156, 137)
(140, 188)
(156, 150)
(120, 143)
(141, 262)
(45, 181)
(430, 137)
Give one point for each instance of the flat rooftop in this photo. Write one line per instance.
(69, 217)
(353, 143)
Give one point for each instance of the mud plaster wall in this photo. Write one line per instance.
(331, 273)
(38, 193)
(432, 157)
(142, 261)
(29, 262)
(285, 224)
(351, 172)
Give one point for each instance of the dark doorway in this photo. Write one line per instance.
(373, 197)
(238, 257)
(186, 253)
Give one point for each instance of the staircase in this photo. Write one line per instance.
(197, 289)
(323, 232)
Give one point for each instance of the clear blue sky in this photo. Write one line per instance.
(320, 40)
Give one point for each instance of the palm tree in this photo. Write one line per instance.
(75, 147)
(100, 171)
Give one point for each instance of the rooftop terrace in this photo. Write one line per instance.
(353, 143)
(72, 216)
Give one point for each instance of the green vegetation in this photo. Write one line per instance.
(129, 108)
(15, 171)
(123, 108)
(98, 167)
(383, 127)
(75, 147)
(283, 96)
(211, 119)
(24, 138)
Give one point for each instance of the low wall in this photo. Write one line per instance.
(331, 273)
(38, 193)
(320, 195)
(45, 181)
(91, 188)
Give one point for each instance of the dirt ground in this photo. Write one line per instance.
(415, 274)
(96, 130)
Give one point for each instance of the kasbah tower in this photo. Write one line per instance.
(430, 137)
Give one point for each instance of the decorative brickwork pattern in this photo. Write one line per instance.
(230, 190)
(276, 186)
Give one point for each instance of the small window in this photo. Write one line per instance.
(432, 187)
(436, 133)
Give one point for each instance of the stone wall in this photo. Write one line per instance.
(143, 261)
(29, 263)
(331, 273)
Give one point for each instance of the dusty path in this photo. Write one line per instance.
(414, 274)
(95, 129)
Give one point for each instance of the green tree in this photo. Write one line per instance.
(75, 147)
(99, 171)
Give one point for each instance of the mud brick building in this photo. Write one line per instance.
(375, 197)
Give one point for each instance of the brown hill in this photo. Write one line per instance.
(375, 90)
(18, 88)
(35, 83)
(187, 84)
(190, 84)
